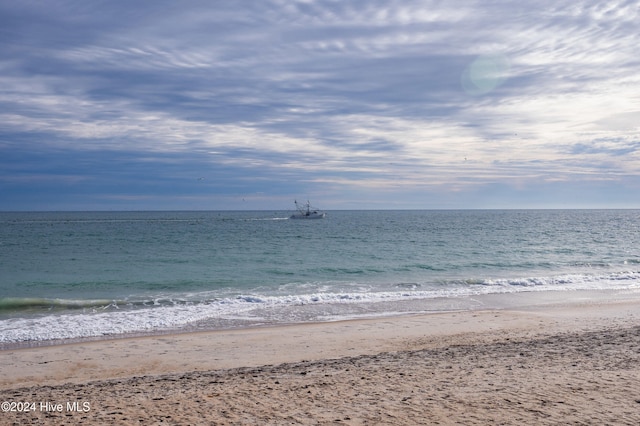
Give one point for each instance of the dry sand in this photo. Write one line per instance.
(576, 364)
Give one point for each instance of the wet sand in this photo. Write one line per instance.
(559, 364)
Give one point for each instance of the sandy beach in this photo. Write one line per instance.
(552, 364)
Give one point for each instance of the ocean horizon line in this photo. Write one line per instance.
(330, 209)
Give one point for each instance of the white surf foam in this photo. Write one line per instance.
(159, 317)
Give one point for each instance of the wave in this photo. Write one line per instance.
(72, 319)
(28, 305)
(612, 280)
(9, 304)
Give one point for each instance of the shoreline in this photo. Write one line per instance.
(518, 301)
(311, 340)
(545, 364)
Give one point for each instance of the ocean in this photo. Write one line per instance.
(88, 275)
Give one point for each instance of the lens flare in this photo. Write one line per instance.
(484, 74)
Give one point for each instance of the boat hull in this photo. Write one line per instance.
(309, 216)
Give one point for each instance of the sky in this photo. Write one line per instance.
(353, 104)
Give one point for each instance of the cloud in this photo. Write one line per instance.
(320, 96)
(608, 147)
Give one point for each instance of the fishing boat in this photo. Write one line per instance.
(305, 211)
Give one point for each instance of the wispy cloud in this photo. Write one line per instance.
(386, 99)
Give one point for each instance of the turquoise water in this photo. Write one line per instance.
(85, 274)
